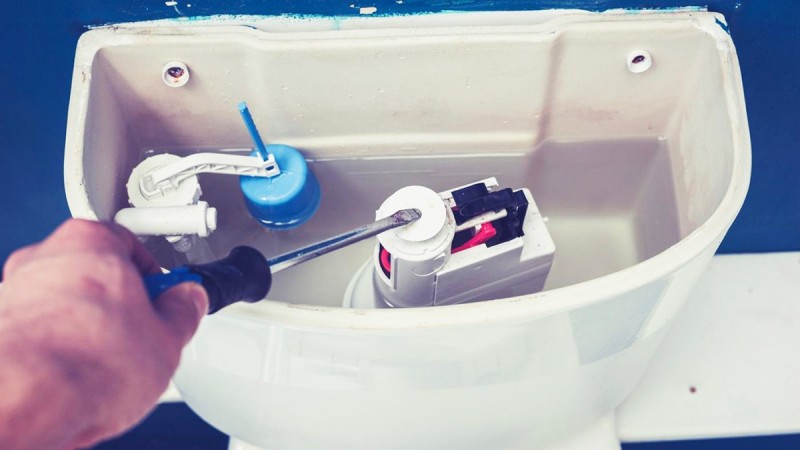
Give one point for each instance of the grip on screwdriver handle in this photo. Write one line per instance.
(243, 275)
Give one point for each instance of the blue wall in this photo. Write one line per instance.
(39, 40)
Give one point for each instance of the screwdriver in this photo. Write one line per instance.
(245, 275)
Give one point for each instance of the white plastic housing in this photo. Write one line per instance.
(418, 250)
(639, 174)
(512, 268)
(187, 192)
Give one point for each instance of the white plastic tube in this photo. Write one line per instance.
(196, 219)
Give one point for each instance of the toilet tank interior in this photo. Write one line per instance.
(623, 165)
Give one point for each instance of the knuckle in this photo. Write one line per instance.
(105, 277)
(17, 259)
(91, 232)
(116, 270)
(80, 227)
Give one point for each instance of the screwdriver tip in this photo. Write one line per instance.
(407, 216)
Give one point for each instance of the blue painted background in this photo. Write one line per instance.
(38, 42)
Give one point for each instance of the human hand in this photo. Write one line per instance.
(84, 353)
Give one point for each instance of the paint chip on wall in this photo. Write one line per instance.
(367, 10)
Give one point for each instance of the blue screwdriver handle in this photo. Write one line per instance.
(243, 275)
(158, 283)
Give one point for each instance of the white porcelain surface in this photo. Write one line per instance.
(729, 364)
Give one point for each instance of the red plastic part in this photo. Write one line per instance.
(386, 260)
(486, 232)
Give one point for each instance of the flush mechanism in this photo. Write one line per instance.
(473, 243)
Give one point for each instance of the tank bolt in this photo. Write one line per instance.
(175, 74)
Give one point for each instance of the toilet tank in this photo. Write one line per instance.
(629, 130)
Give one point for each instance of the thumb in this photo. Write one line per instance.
(182, 307)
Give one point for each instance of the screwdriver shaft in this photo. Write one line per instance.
(398, 219)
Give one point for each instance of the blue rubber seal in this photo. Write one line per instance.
(287, 200)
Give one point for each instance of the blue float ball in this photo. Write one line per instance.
(287, 200)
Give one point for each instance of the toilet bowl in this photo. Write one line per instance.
(629, 130)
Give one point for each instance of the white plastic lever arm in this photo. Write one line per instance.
(167, 178)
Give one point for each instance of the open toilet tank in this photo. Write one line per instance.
(628, 129)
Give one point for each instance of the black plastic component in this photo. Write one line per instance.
(476, 199)
(461, 237)
(495, 201)
(243, 275)
(469, 193)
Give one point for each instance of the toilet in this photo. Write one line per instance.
(628, 129)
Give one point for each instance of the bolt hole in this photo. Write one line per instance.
(639, 61)
(175, 74)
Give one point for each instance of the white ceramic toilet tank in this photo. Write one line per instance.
(628, 129)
